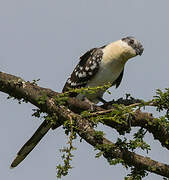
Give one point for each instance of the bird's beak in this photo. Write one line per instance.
(140, 49)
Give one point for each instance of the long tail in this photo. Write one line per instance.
(31, 143)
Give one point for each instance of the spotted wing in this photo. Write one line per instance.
(86, 69)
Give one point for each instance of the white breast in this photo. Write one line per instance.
(108, 73)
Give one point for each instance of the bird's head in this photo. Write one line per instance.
(132, 46)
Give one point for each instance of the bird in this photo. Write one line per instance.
(104, 65)
(96, 67)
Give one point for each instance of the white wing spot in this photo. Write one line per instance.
(93, 66)
(99, 59)
(83, 74)
(73, 84)
(86, 68)
(75, 70)
(69, 81)
(81, 67)
(90, 73)
(80, 75)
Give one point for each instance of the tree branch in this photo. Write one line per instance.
(140, 119)
(18, 88)
(112, 151)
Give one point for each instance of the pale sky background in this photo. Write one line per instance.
(44, 39)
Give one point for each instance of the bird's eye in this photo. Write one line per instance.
(131, 41)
